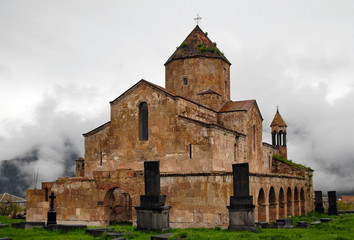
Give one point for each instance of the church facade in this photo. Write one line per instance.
(196, 132)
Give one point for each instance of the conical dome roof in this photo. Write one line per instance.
(197, 44)
(278, 120)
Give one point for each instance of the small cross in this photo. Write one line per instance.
(52, 197)
(197, 19)
(277, 108)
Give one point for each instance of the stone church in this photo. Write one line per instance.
(196, 132)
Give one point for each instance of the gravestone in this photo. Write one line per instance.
(332, 202)
(28, 225)
(241, 209)
(319, 202)
(152, 214)
(64, 227)
(52, 214)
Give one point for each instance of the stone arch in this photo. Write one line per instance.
(281, 203)
(302, 202)
(296, 202)
(117, 205)
(272, 205)
(262, 211)
(289, 202)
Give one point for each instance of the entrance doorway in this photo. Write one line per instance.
(118, 206)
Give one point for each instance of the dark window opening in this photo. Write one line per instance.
(235, 152)
(185, 81)
(254, 138)
(46, 194)
(144, 115)
(100, 158)
(225, 87)
(190, 151)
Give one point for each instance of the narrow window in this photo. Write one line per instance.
(235, 152)
(46, 194)
(144, 115)
(190, 151)
(254, 138)
(269, 163)
(225, 77)
(100, 158)
(185, 81)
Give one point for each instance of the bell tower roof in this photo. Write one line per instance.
(278, 120)
(197, 44)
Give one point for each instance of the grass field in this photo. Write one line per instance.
(341, 228)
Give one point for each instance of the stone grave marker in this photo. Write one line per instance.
(152, 214)
(319, 202)
(241, 209)
(52, 214)
(332, 202)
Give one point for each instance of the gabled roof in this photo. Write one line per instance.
(237, 106)
(278, 120)
(172, 94)
(240, 106)
(197, 44)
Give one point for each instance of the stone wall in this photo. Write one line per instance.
(202, 74)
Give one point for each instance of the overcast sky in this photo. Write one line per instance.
(61, 62)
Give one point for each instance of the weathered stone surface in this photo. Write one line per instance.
(319, 202)
(96, 232)
(196, 144)
(325, 220)
(163, 236)
(278, 225)
(28, 225)
(332, 202)
(262, 224)
(286, 221)
(64, 227)
(153, 220)
(289, 226)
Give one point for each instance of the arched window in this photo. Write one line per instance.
(185, 81)
(143, 121)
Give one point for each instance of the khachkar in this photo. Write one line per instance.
(319, 202)
(52, 214)
(241, 209)
(332, 202)
(152, 214)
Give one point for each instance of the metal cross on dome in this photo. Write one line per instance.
(197, 19)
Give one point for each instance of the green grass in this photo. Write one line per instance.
(342, 228)
(290, 162)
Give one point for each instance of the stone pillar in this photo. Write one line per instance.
(152, 214)
(332, 202)
(241, 209)
(319, 202)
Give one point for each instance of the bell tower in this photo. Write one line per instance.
(278, 128)
(199, 71)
